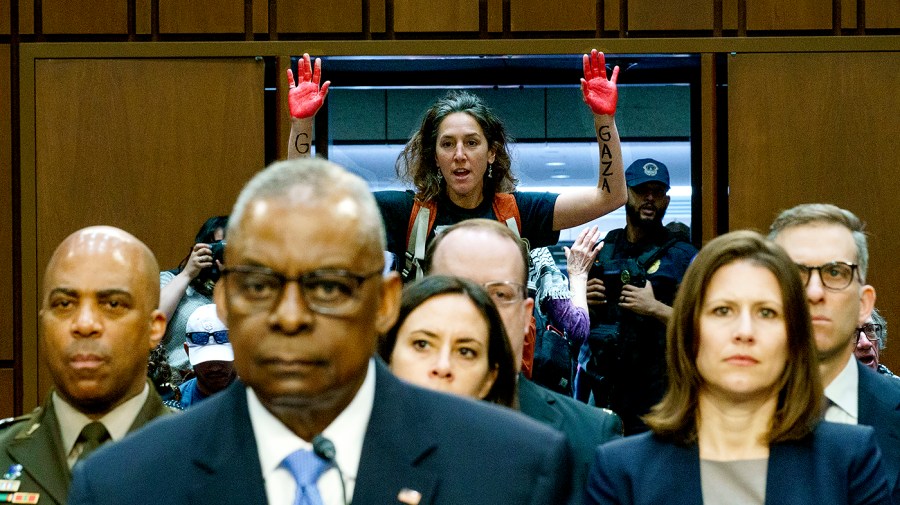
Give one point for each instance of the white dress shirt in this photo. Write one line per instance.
(275, 441)
(117, 421)
(844, 395)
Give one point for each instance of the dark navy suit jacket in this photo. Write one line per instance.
(836, 464)
(879, 407)
(584, 426)
(451, 449)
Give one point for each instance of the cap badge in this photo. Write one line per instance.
(207, 325)
(650, 169)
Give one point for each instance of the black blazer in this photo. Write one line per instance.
(451, 449)
(879, 407)
(584, 426)
(837, 464)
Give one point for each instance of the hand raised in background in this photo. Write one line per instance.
(580, 257)
(600, 94)
(305, 97)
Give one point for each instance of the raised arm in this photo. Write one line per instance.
(579, 259)
(305, 98)
(170, 294)
(586, 204)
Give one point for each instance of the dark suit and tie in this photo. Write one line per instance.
(450, 450)
(305, 299)
(879, 407)
(584, 426)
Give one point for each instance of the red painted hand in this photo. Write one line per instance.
(305, 97)
(600, 94)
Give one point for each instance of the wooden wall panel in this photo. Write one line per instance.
(153, 146)
(430, 16)
(26, 17)
(4, 17)
(6, 218)
(672, 15)
(201, 16)
(495, 15)
(539, 15)
(820, 127)
(142, 17)
(793, 15)
(882, 14)
(848, 14)
(84, 16)
(377, 16)
(6, 393)
(261, 16)
(319, 16)
(611, 15)
(729, 14)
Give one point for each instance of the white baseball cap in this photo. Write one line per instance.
(205, 320)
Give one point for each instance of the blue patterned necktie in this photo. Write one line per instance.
(306, 468)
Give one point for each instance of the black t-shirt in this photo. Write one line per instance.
(535, 211)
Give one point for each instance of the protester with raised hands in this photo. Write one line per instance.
(305, 98)
(459, 164)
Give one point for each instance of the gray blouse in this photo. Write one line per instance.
(741, 482)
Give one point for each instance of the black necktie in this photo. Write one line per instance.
(91, 437)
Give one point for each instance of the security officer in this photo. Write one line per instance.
(630, 294)
(97, 324)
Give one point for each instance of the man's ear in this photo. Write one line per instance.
(528, 309)
(866, 303)
(389, 305)
(157, 328)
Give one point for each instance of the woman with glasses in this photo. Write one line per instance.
(741, 420)
(450, 337)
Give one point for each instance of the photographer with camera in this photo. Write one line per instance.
(630, 291)
(188, 287)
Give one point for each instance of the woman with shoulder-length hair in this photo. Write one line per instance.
(450, 337)
(741, 420)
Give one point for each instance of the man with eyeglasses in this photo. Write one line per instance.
(831, 251)
(97, 323)
(489, 253)
(871, 339)
(210, 354)
(315, 418)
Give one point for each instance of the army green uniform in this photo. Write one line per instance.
(34, 441)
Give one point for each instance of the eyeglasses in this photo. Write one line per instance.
(835, 276)
(331, 292)
(202, 337)
(505, 292)
(872, 331)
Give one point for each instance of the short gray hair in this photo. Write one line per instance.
(877, 318)
(323, 177)
(807, 213)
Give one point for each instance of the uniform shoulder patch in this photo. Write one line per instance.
(10, 421)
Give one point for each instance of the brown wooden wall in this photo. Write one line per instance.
(820, 128)
(123, 117)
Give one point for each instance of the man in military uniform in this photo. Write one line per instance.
(97, 324)
(630, 293)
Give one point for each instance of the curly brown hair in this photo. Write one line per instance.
(416, 163)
